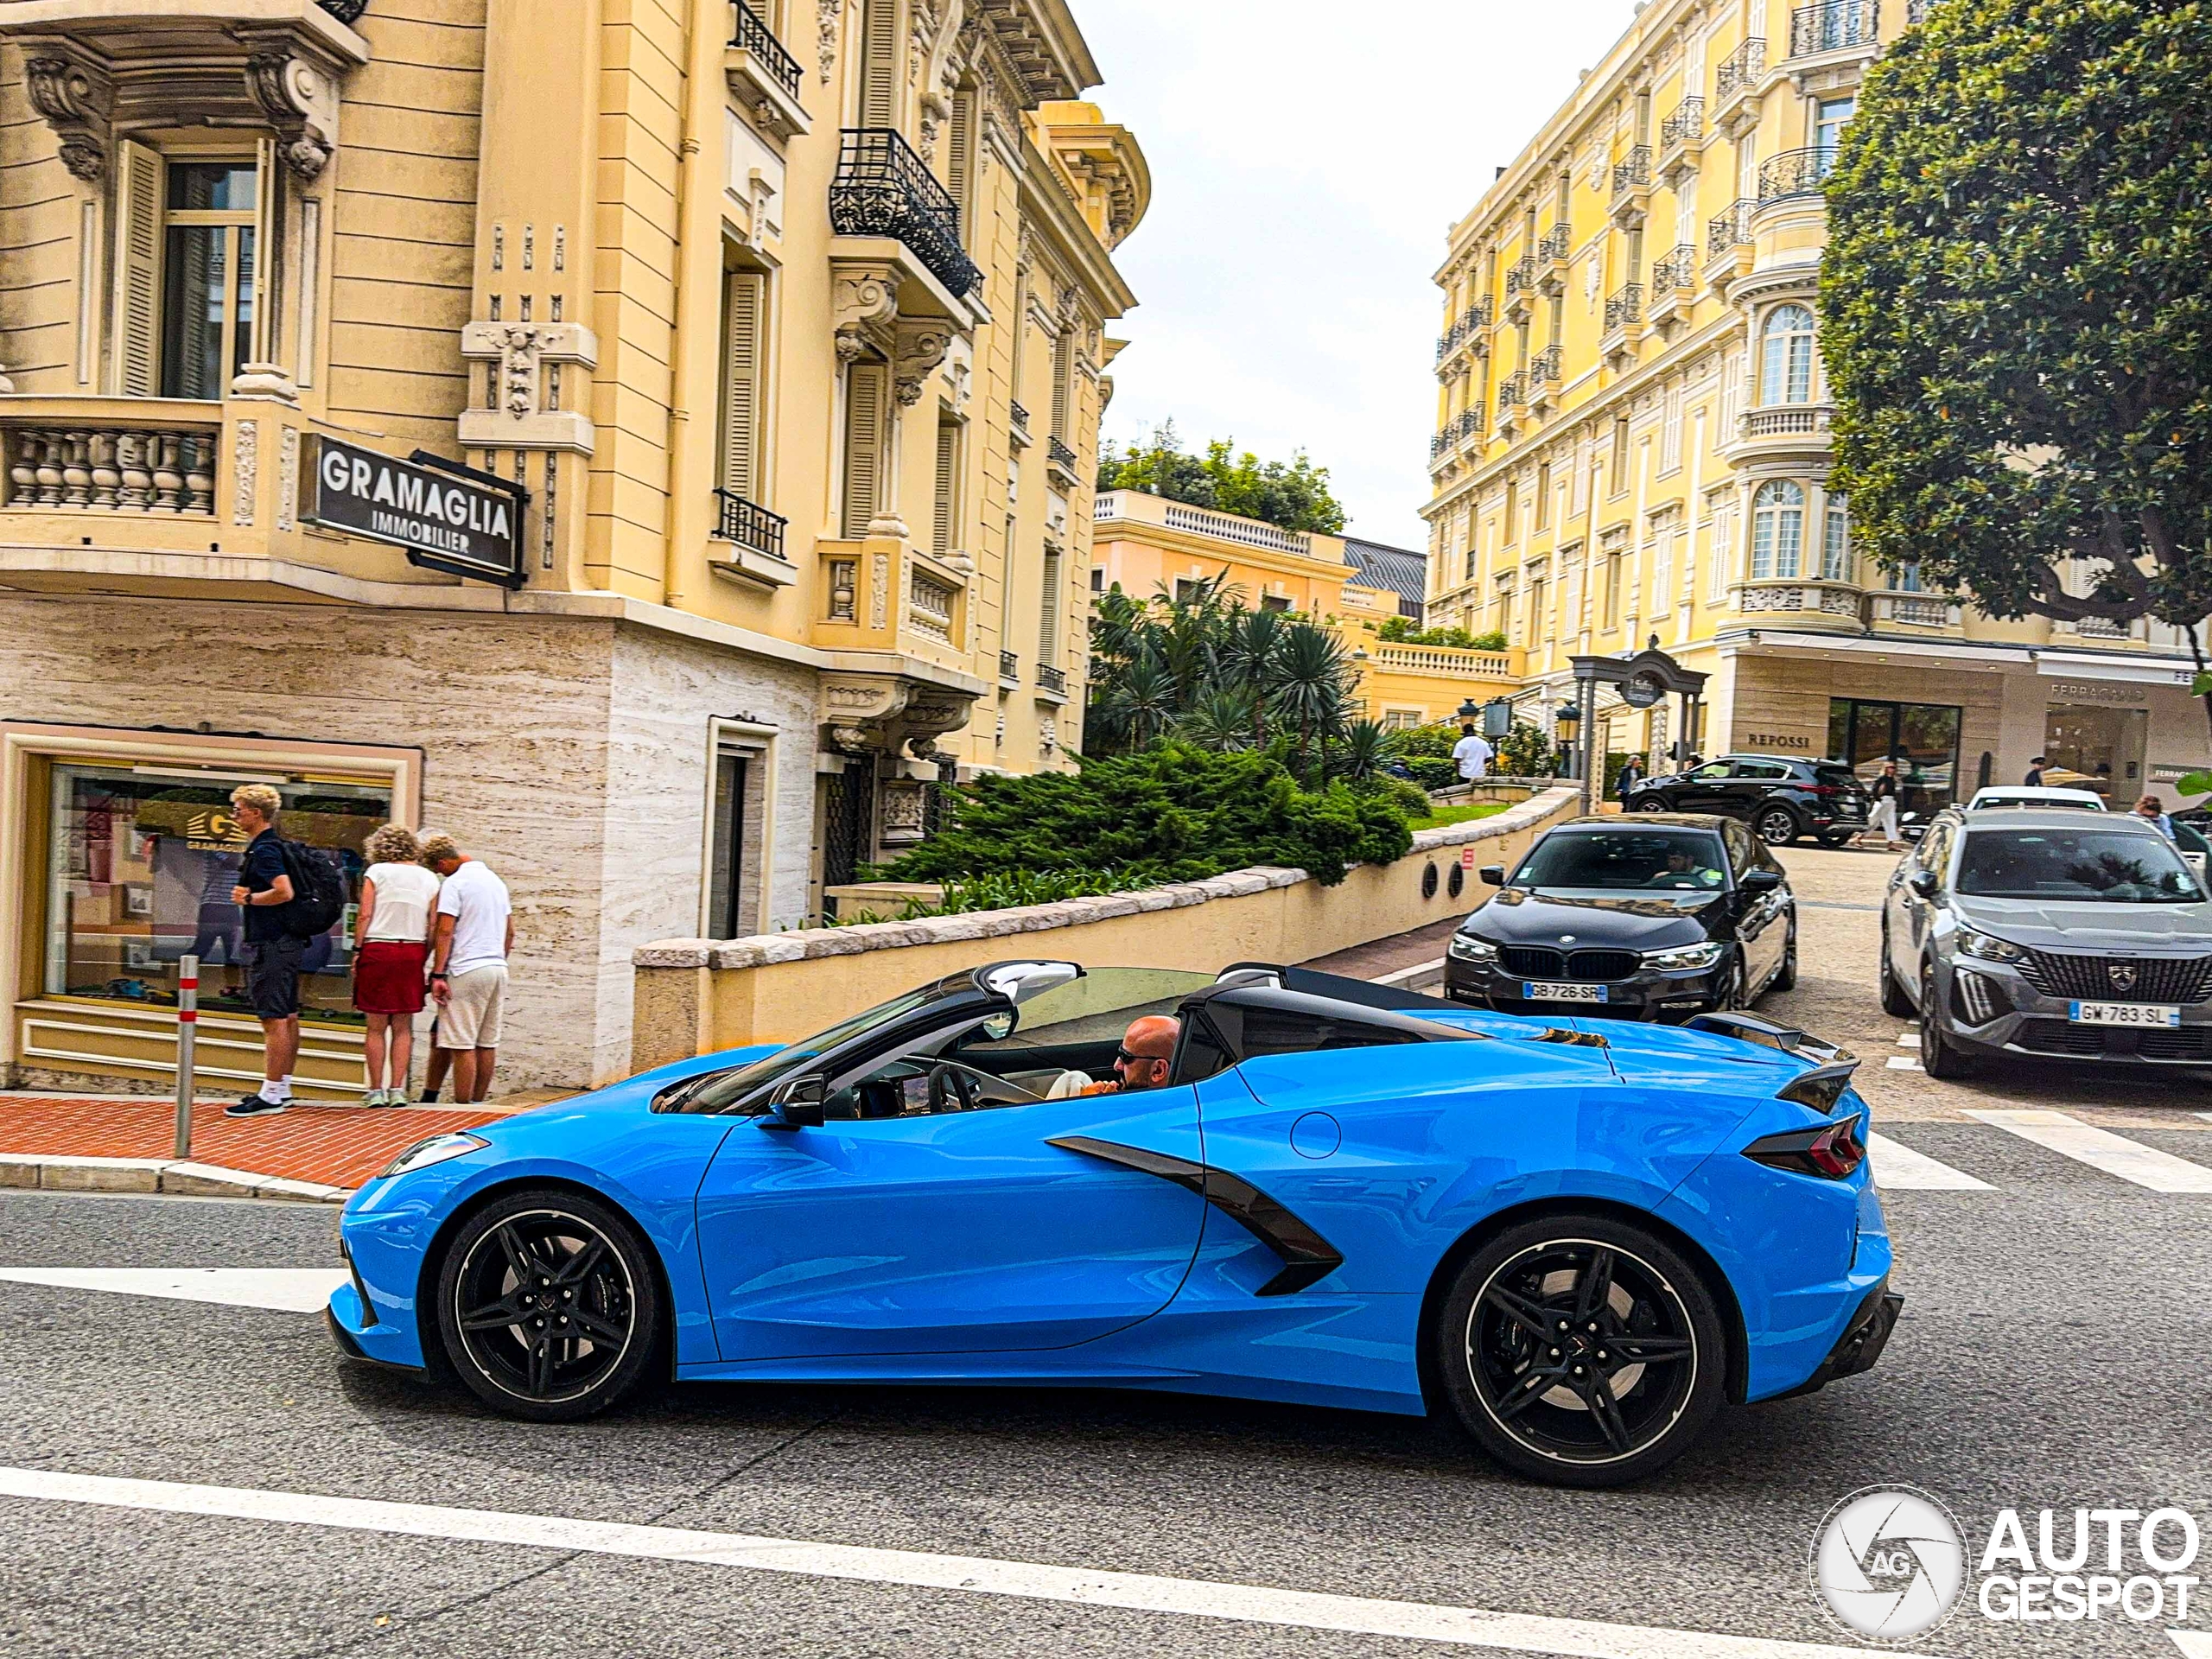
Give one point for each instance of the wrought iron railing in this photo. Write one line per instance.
(1625, 305)
(1481, 313)
(1795, 173)
(752, 34)
(1730, 227)
(1009, 668)
(1510, 393)
(1017, 414)
(1676, 268)
(1451, 339)
(1440, 440)
(883, 188)
(1633, 170)
(1521, 275)
(1740, 69)
(1558, 243)
(111, 469)
(1833, 25)
(1684, 125)
(1544, 366)
(345, 11)
(1052, 679)
(1059, 451)
(750, 524)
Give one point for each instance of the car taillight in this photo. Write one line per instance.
(1821, 789)
(1832, 1151)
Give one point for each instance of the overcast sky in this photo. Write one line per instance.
(1306, 162)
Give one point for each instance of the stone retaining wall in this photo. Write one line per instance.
(695, 996)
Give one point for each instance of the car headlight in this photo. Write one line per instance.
(1989, 948)
(435, 1150)
(1467, 948)
(1687, 955)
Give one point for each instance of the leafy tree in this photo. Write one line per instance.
(1525, 751)
(2017, 307)
(1401, 630)
(1294, 495)
(1172, 812)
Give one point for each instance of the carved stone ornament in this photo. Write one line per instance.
(828, 13)
(922, 346)
(515, 392)
(75, 101)
(864, 301)
(296, 99)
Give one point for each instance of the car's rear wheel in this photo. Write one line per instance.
(1834, 838)
(1939, 1056)
(1647, 804)
(1581, 1350)
(548, 1304)
(1777, 825)
(1785, 977)
(1895, 1002)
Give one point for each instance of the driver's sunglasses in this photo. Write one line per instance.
(1122, 1056)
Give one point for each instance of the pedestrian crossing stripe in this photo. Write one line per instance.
(2115, 1155)
(1898, 1168)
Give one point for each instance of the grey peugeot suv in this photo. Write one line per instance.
(2048, 933)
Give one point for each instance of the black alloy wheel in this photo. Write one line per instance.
(1938, 1057)
(1735, 989)
(548, 1305)
(1582, 1350)
(1785, 977)
(1776, 824)
(1833, 839)
(1895, 1002)
(1648, 803)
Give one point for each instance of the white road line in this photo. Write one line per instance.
(2194, 1644)
(2207, 1117)
(1908, 1039)
(976, 1575)
(1898, 1168)
(288, 1290)
(2115, 1155)
(1902, 1062)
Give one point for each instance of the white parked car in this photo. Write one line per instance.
(2023, 795)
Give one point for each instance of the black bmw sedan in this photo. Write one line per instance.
(1657, 915)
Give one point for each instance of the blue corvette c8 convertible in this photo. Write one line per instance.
(1584, 1239)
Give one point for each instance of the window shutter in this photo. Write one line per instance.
(960, 158)
(1062, 347)
(880, 63)
(743, 292)
(138, 270)
(865, 385)
(941, 536)
(1048, 616)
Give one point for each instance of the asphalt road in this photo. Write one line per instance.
(2052, 1355)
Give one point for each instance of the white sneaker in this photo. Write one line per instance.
(377, 1097)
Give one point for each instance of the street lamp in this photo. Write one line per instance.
(1470, 711)
(1566, 720)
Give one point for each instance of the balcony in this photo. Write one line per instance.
(1673, 282)
(111, 470)
(1551, 260)
(1623, 325)
(1061, 465)
(1520, 287)
(1009, 671)
(1543, 377)
(1831, 29)
(1786, 435)
(1814, 604)
(763, 77)
(1467, 330)
(1924, 613)
(1512, 395)
(1447, 661)
(747, 542)
(1794, 175)
(1632, 188)
(1681, 137)
(1736, 88)
(1728, 245)
(1017, 419)
(1051, 684)
(883, 189)
(930, 605)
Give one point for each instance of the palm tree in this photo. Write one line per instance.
(1248, 648)
(1219, 718)
(1365, 747)
(1313, 685)
(1141, 701)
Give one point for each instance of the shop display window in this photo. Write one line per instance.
(1922, 737)
(141, 863)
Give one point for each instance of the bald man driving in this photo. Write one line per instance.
(1141, 1061)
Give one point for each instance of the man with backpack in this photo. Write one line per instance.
(290, 894)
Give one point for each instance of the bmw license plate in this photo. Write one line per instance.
(1541, 990)
(2123, 1013)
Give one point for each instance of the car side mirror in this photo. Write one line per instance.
(1926, 883)
(1494, 875)
(797, 1104)
(1759, 881)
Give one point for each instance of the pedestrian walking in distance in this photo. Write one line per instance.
(1474, 753)
(398, 899)
(468, 969)
(1884, 818)
(2152, 810)
(2034, 779)
(272, 950)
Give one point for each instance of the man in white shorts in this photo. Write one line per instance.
(468, 963)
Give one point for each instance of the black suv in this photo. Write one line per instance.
(1780, 796)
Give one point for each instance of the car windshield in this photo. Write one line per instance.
(2080, 865)
(1614, 859)
(719, 1091)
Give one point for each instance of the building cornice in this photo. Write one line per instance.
(1047, 207)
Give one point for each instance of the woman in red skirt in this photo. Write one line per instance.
(398, 901)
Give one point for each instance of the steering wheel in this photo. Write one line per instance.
(950, 1082)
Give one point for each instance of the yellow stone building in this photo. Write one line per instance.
(752, 354)
(1152, 547)
(1633, 438)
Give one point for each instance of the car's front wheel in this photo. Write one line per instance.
(1776, 824)
(1648, 803)
(1581, 1350)
(1895, 1002)
(1939, 1056)
(1785, 977)
(548, 1305)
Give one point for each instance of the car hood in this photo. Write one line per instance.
(2052, 926)
(1640, 921)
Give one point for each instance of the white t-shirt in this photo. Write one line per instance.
(477, 901)
(1473, 754)
(404, 895)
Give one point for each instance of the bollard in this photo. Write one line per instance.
(187, 1030)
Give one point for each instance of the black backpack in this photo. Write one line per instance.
(318, 890)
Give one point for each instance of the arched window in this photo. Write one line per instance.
(1778, 529)
(1786, 356)
(1835, 541)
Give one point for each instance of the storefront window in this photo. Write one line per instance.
(1922, 738)
(2091, 746)
(141, 864)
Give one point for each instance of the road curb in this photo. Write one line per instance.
(183, 1176)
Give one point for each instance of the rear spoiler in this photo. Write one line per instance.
(1750, 1028)
(1363, 992)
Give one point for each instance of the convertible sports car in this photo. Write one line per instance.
(1582, 1238)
